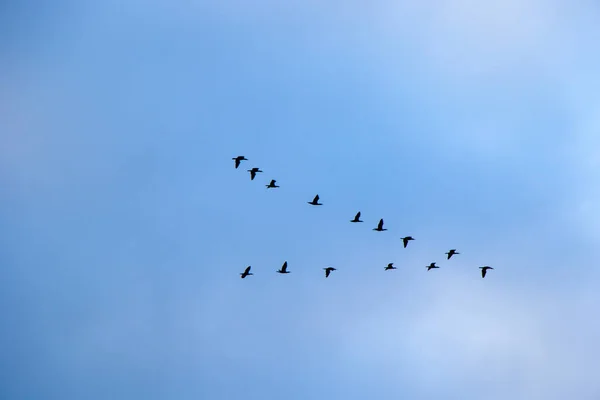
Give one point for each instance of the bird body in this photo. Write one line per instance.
(390, 266)
(380, 226)
(272, 184)
(406, 239)
(315, 201)
(328, 271)
(431, 266)
(253, 172)
(452, 252)
(246, 272)
(283, 269)
(484, 270)
(238, 160)
(356, 218)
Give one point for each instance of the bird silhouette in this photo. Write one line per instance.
(484, 270)
(283, 269)
(451, 253)
(380, 226)
(328, 271)
(390, 266)
(432, 265)
(253, 172)
(356, 218)
(246, 272)
(315, 201)
(406, 239)
(272, 184)
(238, 160)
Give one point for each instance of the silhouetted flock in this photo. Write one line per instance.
(315, 202)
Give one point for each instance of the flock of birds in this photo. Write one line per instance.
(315, 202)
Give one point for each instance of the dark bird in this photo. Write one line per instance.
(380, 226)
(356, 218)
(272, 184)
(315, 201)
(452, 252)
(246, 272)
(238, 160)
(484, 270)
(328, 271)
(406, 239)
(253, 172)
(283, 269)
(432, 265)
(390, 266)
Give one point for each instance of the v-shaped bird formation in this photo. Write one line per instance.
(315, 202)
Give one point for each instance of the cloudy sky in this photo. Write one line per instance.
(124, 226)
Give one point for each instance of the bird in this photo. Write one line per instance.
(328, 271)
(484, 270)
(246, 272)
(283, 269)
(406, 239)
(272, 184)
(432, 265)
(356, 218)
(390, 266)
(380, 226)
(253, 172)
(238, 160)
(452, 252)
(315, 201)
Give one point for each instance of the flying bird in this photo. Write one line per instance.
(283, 269)
(380, 226)
(246, 272)
(406, 239)
(452, 252)
(272, 184)
(328, 271)
(356, 218)
(484, 270)
(432, 265)
(315, 201)
(390, 266)
(253, 172)
(238, 160)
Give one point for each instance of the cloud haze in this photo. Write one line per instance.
(125, 226)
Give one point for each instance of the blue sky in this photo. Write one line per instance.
(124, 225)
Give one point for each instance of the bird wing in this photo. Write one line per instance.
(316, 199)
(252, 175)
(284, 266)
(449, 254)
(483, 271)
(327, 272)
(405, 240)
(380, 225)
(357, 216)
(247, 270)
(237, 162)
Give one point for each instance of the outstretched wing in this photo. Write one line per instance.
(405, 241)
(316, 199)
(380, 225)
(357, 217)
(284, 267)
(247, 270)
(252, 175)
(483, 272)
(237, 162)
(327, 272)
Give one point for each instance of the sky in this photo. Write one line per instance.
(124, 225)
